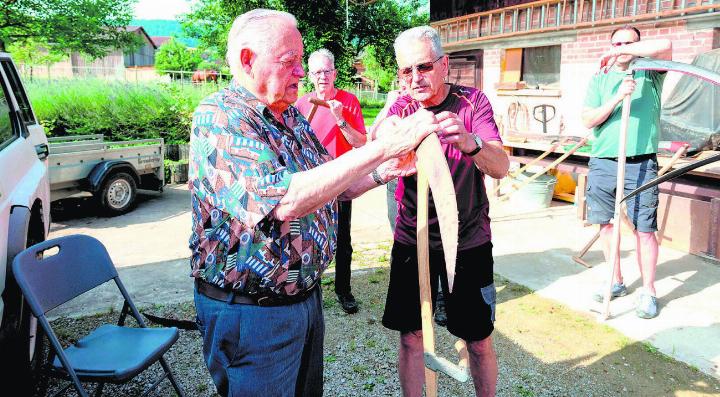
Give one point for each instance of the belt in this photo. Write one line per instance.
(634, 159)
(212, 291)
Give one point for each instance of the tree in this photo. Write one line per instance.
(176, 56)
(383, 75)
(91, 27)
(322, 23)
(32, 53)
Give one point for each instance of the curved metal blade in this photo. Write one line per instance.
(431, 159)
(670, 66)
(673, 174)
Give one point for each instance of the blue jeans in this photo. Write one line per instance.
(263, 351)
(392, 206)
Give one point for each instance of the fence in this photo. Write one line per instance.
(65, 71)
(369, 95)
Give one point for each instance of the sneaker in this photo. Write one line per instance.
(440, 315)
(646, 306)
(618, 289)
(348, 303)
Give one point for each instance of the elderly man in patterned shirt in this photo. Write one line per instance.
(265, 213)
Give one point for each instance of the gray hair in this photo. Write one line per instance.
(323, 52)
(251, 30)
(420, 33)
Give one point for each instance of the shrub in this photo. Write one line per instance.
(120, 111)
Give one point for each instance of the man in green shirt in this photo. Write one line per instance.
(602, 112)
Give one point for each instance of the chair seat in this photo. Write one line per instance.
(114, 354)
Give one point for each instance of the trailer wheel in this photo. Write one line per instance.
(117, 195)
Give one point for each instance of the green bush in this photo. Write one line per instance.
(120, 111)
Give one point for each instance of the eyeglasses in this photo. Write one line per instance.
(406, 73)
(621, 43)
(322, 72)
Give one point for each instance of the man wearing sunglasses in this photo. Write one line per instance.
(339, 128)
(471, 144)
(603, 113)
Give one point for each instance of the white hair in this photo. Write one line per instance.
(251, 30)
(323, 52)
(420, 33)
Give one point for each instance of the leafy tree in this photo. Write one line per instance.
(176, 56)
(322, 23)
(32, 53)
(91, 27)
(210, 20)
(384, 76)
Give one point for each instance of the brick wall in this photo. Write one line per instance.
(580, 60)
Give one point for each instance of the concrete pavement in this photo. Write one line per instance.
(149, 246)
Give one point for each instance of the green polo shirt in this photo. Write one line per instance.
(644, 123)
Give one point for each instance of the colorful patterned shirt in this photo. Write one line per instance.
(241, 162)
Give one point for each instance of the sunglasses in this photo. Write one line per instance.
(620, 43)
(406, 73)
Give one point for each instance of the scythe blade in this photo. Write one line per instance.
(431, 160)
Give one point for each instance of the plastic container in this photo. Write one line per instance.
(535, 195)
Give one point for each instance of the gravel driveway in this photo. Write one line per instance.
(543, 349)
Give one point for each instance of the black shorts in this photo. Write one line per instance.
(471, 306)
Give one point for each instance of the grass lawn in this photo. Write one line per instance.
(369, 114)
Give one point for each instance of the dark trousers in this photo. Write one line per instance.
(343, 255)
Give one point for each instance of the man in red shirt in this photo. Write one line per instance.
(339, 128)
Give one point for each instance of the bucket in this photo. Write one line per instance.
(535, 195)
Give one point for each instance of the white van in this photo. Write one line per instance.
(24, 220)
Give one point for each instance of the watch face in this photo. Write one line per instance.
(478, 140)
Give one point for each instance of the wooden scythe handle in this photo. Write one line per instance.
(315, 103)
(423, 251)
(619, 193)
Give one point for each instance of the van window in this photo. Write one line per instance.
(6, 127)
(25, 110)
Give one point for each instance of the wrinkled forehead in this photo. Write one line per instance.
(287, 41)
(414, 52)
(319, 63)
(624, 35)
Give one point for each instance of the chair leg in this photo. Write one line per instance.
(171, 376)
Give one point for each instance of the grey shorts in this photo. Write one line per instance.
(600, 194)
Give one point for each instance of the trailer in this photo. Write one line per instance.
(111, 171)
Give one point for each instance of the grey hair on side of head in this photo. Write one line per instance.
(422, 33)
(247, 31)
(323, 52)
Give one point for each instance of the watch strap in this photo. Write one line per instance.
(477, 149)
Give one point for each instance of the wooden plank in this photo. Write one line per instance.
(511, 65)
(580, 198)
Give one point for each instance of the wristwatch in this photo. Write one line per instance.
(479, 143)
(342, 123)
(377, 178)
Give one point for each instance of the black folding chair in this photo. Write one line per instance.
(110, 353)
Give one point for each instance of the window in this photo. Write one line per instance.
(6, 128)
(532, 67)
(23, 103)
(541, 66)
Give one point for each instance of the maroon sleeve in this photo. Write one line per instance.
(402, 107)
(483, 122)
